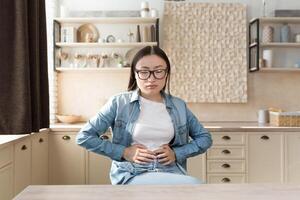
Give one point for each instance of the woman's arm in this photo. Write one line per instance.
(200, 143)
(88, 137)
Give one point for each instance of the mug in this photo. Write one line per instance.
(297, 37)
(263, 116)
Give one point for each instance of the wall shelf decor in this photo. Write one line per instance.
(105, 42)
(262, 55)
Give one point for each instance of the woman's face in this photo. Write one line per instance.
(151, 74)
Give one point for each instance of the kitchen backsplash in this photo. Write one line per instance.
(85, 93)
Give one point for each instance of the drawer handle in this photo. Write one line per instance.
(41, 140)
(104, 137)
(226, 180)
(226, 137)
(264, 137)
(24, 147)
(225, 165)
(226, 151)
(66, 137)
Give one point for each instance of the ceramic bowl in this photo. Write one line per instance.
(69, 118)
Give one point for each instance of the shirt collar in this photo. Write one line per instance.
(136, 95)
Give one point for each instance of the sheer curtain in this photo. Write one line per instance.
(24, 93)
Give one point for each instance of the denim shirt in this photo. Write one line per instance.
(120, 113)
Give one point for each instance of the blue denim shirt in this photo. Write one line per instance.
(120, 113)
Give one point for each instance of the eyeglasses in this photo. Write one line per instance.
(145, 74)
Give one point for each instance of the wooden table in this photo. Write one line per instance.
(164, 192)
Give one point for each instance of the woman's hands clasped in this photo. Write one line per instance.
(165, 155)
(139, 154)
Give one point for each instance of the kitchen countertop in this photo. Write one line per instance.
(9, 138)
(164, 192)
(211, 126)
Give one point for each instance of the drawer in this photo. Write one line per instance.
(225, 152)
(227, 166)
(226, 178)
(228, 138)
(6, 155)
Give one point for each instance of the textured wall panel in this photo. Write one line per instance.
(206, 44)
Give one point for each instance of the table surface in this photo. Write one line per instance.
(164, 192)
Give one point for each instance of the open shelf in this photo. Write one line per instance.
(278, 69)
(278, 20)
(281, 44)
(104, 69)
(107, 20)
(107, 45)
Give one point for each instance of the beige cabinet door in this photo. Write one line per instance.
(6, 171)
(6, 182)
(39, 168)
(265, 157)
(98, 168)
(66, 159)
(196, 167)
(22, 164)
(293, 157)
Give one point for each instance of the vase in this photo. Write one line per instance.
(285, 31)
(267, 34)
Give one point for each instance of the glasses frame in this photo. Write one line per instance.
(151, 72)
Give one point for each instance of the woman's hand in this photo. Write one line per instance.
(139, 154)
(165, 155)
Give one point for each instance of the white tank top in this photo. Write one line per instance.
(154, 126)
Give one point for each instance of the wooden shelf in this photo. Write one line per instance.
(278, 20)
(91, 69)
(281, 44)
(107, 45)
(107, 20)
(278, 69)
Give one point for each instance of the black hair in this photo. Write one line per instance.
(146, 51)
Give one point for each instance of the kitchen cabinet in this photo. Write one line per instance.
(22, 164)
(6, 172)
(226, 159)
(98, 168)
(265, 157)
(66, 159)
(39, 168)
(196, 167)
(292, 158)
(274, 47)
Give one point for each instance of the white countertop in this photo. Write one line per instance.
(9, 138)
(211, 126)
(163, 192)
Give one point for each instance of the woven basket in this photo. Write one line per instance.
(285, 118)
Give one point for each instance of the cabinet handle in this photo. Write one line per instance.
(104, 137)
(23, 147)
(225, 180)
(264, 137)
(66, 137)
(226, 151)
(225, 165)
(41, 140)
(226, 137)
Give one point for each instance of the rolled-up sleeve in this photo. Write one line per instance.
(89, 136)
(201, 139)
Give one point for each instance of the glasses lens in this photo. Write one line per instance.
(143, 74)
(159, 74)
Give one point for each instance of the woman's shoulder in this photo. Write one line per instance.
(122, 96)
(177, 101)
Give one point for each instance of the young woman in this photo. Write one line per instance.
(153, 132)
